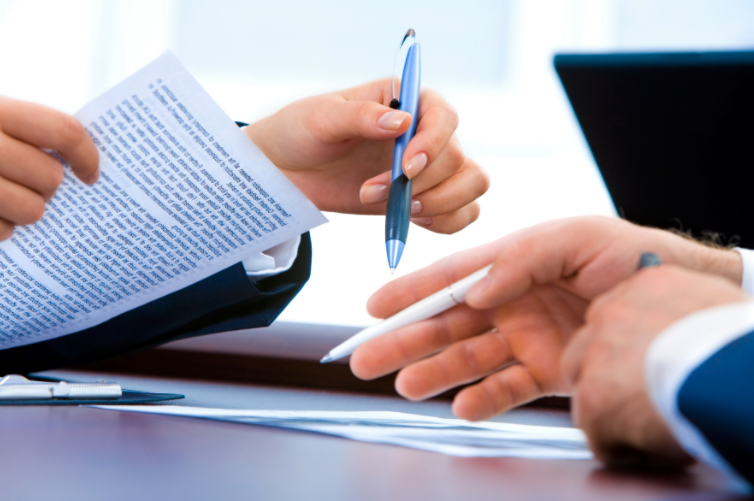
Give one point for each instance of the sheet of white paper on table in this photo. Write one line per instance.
(454, 437)
(183, 194)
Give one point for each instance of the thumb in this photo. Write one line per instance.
(341, 120)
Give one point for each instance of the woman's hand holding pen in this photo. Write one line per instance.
(531, 304)
(29, 177)
(337, 148)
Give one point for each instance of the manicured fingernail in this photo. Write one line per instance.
(373, 193)
(415, 165)
(422, 221)
(416, 207)
(392, 120)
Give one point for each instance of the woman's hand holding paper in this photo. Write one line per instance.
(337, 148)
(526, 311)
(29, 177)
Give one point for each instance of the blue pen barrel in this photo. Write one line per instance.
(398, 214)
(398, 204)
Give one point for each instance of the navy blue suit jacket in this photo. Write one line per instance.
(227, 301)
(718, 398)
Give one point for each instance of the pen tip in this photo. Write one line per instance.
(325, 359)
(392, 270)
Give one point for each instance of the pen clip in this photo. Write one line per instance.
(395, 103)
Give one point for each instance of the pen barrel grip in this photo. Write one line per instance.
(398, 214)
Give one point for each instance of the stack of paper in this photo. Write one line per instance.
(447, 436)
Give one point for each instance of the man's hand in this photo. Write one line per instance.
(29, 177)
(338, 149)
(604, 363)
(533, 301)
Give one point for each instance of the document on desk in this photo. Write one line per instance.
(454, 437)
(182, 195)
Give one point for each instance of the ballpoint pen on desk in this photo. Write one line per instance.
(398, 215)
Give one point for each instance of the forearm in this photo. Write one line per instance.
(694, 255)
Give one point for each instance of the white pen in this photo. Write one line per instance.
(426, 308)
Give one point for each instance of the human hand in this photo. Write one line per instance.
(542, 282)
(29, 177)
(604, 362)
(338, 149)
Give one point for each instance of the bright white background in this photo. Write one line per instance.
(491, 59)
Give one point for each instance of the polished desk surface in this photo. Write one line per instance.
(82, 453)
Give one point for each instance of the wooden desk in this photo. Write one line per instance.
(79, 453)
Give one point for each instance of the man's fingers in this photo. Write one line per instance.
(47, 128)
(556, 250)
(497, 393)
(18, 204)
(438, 121)
(450, 223)
(6, 229)
(337, 120)
(397, 349)
(463, 362)
(404, 291)
(29, 166)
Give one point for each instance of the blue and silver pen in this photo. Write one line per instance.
(398, 214)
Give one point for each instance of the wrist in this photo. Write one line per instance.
(726, 263)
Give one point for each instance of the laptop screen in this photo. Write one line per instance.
(672, 135)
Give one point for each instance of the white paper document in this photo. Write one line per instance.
(183, 194)
(454, 437)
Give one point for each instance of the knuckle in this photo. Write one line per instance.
(6, 230)
(433, 145)
(359, 112)
(32, 210)
(451, 116)
(443, 333)
(587, 403)
(482, 183)
(470, 359)
(456, 155)
(475, 209)
(70, 132)
(52, 181)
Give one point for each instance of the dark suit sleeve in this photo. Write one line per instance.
(226, 301)
(718, 399)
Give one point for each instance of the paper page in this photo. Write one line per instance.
(183, 194)
(454, 437)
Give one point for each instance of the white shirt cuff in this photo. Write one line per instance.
(272, 261)
(676, 353)
(747, 258)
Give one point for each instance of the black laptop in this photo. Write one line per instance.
(673, 136)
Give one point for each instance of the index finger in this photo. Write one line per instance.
(44, 127)
(405, 291)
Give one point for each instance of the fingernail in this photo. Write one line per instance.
(392, 120)
(93, 178)
(422, 221)
(373, 193)
(415, 165)
(416, 207)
